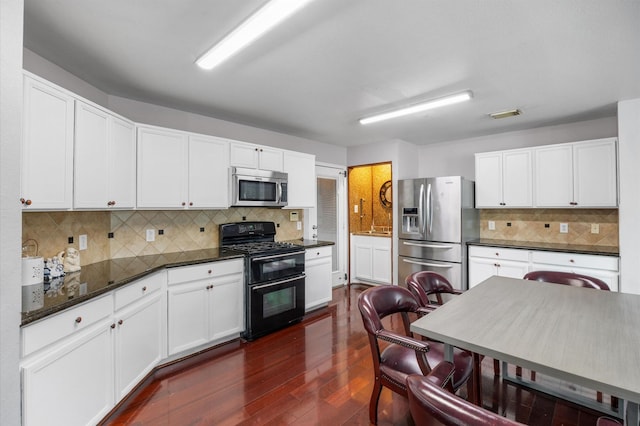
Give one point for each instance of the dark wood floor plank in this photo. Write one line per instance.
(314, 373)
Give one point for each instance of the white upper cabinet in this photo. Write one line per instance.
(162, 168)
(104, 160)
(579, 174)
(504, 179)
(47, 147)
(181, 170)
(208, 172)
(301, 180)
(256, 157)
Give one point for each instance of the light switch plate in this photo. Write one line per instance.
(82, 242)
(564, 228)
(293, 216)
(298, 226)
(492, 225)
(595, 228)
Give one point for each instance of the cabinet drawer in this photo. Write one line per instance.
(204, 271)
(136, 290)
(592, 261)
(314, 253)
(499, 253)
(42, 333)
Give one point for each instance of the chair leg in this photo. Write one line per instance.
(373, 403)
(599, 396)
(496, 367)
(614, 401)
(533, 376)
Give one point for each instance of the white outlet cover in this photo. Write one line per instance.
(492, 225)
(82, 242)
(299, 225)
(151, 235)
(564, 228)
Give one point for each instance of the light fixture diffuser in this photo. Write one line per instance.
(423, 106)
(270, 15)
(505, 114)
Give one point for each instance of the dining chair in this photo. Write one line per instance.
(575, 280)
(429, 287)
(431, 404)
(397, 354)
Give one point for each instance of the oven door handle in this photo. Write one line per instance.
(258, 287)
(277, 255)
(433, 265)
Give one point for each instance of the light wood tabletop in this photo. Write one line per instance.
(584, 336)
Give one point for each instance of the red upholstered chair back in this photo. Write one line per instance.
(429, 405)
(567, 278)
(379, 302)
(425, 283)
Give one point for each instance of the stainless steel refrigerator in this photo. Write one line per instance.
(438, 217)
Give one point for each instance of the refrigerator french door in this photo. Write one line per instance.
(437, 217)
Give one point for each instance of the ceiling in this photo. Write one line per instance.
(336, 61)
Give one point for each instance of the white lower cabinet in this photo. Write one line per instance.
(371, 259)
(485, 262)
(69, 382)
(205, 304)
(317, 267)
(140, 331)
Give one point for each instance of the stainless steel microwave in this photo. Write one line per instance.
(258, 188)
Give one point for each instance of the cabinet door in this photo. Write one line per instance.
(381, 262)
(138, 342)
(47, 147)
(480, 269)
(301, 169)
(554, 176)
(512, 269)
(270, 159)
(362, 257)
(90, 161)
(243, 155)
(71, 384)
(488, 184)
(188, 310)
(227, 306)
(317, 268)
(517, 179)
(208, 172)
(595, 173)
(162, 168)
(122, 164)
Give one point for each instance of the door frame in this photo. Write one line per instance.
(328, 170)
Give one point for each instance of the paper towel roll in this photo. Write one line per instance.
(32, 270)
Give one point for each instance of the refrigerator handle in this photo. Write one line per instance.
(429, 209)
(421, 217)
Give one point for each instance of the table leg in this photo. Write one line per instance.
(631, 413)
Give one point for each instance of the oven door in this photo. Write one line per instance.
(275, 267)
(274, 305)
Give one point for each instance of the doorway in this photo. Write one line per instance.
(331, 217)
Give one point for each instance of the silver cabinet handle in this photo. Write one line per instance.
(433, 265)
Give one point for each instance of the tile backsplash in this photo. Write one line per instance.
(529, 225)
(183, 230)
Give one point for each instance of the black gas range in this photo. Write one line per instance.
(274, 274)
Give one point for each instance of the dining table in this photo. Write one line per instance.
(586, 337)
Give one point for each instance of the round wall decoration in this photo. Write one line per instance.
(385, 194)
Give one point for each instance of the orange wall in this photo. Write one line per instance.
(365, 182)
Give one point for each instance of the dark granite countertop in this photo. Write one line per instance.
(101, 277)
(533, 245)
(306, 244)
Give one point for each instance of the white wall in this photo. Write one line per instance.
(629, 160)
(147, 113)
(455, 158)
(11, 12)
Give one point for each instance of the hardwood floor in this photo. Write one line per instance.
(317, 372)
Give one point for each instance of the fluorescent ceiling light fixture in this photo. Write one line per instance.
(423, 106)
(505, 114)
(270, 15)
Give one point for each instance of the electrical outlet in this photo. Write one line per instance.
(82, 242)
(564, 228)
(355, 208)
(298, 225)
(595, 228)
(151, 235)
(492, 225)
